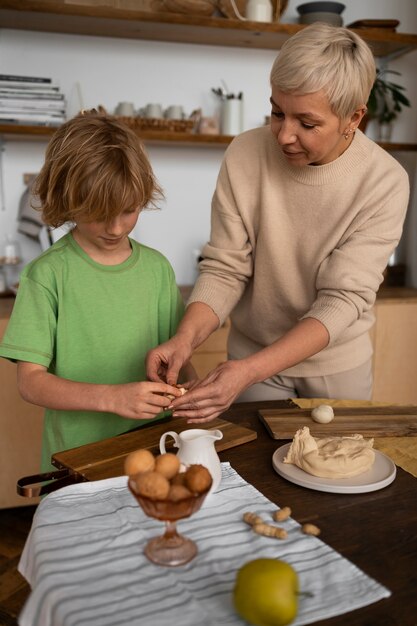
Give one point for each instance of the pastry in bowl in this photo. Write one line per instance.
(169, 496)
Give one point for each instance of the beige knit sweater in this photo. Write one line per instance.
(288, 243)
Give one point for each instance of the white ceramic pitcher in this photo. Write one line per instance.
(196, 446)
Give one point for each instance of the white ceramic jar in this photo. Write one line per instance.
(259, 10)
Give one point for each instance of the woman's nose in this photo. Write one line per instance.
(285, 133)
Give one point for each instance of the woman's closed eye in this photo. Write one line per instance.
(280, 116)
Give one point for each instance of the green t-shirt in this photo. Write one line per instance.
(91, 323)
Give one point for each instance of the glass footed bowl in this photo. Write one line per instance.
(171, 548)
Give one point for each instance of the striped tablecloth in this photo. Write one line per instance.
(84, 561)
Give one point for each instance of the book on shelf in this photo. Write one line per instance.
(25, 79)
(27, 83)
(16, 104)
(32, 118)
(27, 94)
(29, 86)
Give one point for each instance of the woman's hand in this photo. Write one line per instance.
(164, 362)
(214, 394)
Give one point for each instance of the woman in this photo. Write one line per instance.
(304, 219)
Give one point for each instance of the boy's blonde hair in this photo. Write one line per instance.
(326, 57)
(95, 168)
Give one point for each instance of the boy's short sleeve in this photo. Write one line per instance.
(171, 306)
(30, 334)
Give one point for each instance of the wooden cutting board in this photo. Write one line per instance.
(387, 421)
(105, 459)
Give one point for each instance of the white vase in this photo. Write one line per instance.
(385, 131)
(259, 10)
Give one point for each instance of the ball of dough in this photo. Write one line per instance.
(139, 461)
(323, 414)
(198, 478)
(167, 464)
(183, 390)
(152, 485)
(178, 492)
(178, 479)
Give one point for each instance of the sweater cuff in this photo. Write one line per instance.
(217, 296)
(335, 314)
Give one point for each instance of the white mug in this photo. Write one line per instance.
(174, 112)
(153, 110)
(125, 109)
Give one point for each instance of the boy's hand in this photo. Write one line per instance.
(142, 400)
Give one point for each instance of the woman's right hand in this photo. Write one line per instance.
(164, 362)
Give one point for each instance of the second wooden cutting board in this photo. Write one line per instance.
(366, 421)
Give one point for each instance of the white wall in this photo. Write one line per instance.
(112, 70)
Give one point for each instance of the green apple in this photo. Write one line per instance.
(266, 592)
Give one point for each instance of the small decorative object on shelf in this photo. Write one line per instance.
(385, 102)
(11, 252)
(329, 12)
(231, 110)
(159, 124)
(229, 8)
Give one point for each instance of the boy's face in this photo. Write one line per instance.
(107, 237)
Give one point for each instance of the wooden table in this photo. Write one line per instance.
(376, 531)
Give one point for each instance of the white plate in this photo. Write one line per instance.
(381, 474)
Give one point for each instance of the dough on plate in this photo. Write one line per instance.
(330, 457)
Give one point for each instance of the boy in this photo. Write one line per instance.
(89, 308)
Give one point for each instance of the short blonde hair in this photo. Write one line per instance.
(95, 168)
(326, 57)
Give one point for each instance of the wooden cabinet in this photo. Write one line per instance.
(20, 426)
(394, 338)
(212, 352)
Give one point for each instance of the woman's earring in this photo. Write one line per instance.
(348, 132)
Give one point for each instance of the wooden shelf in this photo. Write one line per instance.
(10, 132)
(48, 16)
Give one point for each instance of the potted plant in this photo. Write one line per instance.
(386, 101)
